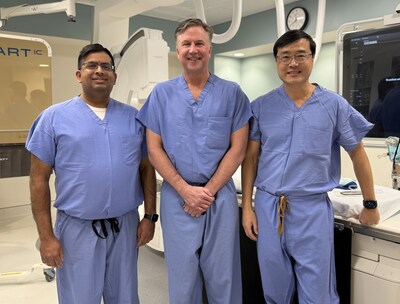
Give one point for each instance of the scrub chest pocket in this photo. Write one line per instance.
(218, 132)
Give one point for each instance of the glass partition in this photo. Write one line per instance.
(25, 85)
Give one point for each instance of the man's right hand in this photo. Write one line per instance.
(51, 252)
(197, 200)
(249, 222)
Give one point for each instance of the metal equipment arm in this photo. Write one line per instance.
(48, 8)
(235, 24)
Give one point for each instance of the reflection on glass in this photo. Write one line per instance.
(385, 85)
(391, 113)
(25, 86)
(20, 113)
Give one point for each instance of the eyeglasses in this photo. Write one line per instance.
(90, 65)
(299, 58)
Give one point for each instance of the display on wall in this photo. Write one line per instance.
(371, 77)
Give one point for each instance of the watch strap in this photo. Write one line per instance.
(153, 217)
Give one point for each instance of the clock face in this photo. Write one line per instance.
(297, 19)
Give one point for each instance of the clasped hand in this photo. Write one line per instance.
(197, 200)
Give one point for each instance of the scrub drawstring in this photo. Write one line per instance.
(281, 213)
(114, 225)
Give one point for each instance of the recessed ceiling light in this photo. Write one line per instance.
(43, 65)
(238, 54)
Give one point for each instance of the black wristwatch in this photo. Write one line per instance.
(151, 217)
(370, 204)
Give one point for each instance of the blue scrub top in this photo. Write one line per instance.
(300, 147)
(196, 134)
(96, 161)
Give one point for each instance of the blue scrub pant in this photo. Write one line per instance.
(303, 255)
(207, 246)
(94, 267)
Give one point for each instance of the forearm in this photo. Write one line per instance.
(40, 197)
(363, 172)
(249, 172)
(225, 170)
(148, 179)
(161, 162)
(365, 179)
(41, 208)
(231, 161)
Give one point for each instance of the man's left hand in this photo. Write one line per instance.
(369, 216)
(145, 232)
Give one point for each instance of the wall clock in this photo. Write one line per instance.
(297, 18)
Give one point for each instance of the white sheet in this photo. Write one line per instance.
(350, 206)
(237, 179)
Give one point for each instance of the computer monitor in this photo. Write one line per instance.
(371, 69)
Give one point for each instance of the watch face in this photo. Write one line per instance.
(297, 19)
(151, 217)
(370, 204)
(154, 217)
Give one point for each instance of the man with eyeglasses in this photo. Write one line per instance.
(293, 159)
(97, 150)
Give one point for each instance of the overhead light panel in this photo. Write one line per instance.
(238, 54)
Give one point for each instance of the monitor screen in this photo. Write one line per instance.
(371, 77)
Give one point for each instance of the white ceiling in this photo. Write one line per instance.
(216, 11)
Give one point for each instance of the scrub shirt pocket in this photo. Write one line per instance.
(131, 149)
(317, 141)
(218, 132)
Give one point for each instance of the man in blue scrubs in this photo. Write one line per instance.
(293, 159)
(97, 150)
(197, 129)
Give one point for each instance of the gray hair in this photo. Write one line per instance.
(191, 22)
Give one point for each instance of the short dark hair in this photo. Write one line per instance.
(292, 36)
(93, 48)
(19, 88)
(384, 86)
(191, 22)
